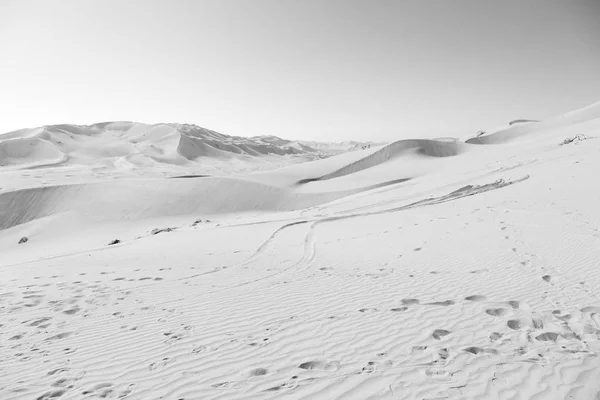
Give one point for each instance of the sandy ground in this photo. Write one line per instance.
(428, 270)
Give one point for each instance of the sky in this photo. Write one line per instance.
(324, 70)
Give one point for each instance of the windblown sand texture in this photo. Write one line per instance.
(420, 269)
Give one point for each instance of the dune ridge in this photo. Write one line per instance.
(109, 143)
(427, 147)
(426, 269)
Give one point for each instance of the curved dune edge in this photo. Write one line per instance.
(475, 280)
(519, 130)
(108, 142)
(30, 152)
(134, 200)
(522, 121)
(427, 147)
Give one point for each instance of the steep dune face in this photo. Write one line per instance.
(141, 199)
(29, 152)
(192, 148)
(431, 148)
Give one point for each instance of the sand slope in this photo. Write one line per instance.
(111, 144)
(418, 270)
(523, 130)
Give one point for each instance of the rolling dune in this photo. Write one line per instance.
(187, 146)
(422, 269)
(522, 131)
(431, 148)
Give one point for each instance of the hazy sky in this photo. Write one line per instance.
(310, 69)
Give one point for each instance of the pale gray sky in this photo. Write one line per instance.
(312, 69)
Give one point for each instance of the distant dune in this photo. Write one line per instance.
(419, 269)
(116, 144)
(351, 167)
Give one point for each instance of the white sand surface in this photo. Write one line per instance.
(422, 269)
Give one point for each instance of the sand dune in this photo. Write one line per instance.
(109, 144)
(432, 148)
(152, 198)
(517, 131)
(30, 151)
(423, 269)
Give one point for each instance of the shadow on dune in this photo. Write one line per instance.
(133, 200)
(425, 147)
(188, 176)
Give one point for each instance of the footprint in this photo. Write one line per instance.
(409, 302)
(591, 309)
(367, 310)
(513, 303)
(221, 385)
(399, 309)
(57, 371)
(444, 354)
(475, 297)
(537, 323)
(164, 362)
(438, 334)
(99, 386)
(258, 372)
(438, 373)
(547, 278)
(495, 336)
(71, 311)
(291, 384)
(478, 271)
(199, 349)
(596, 319)
(496, 312)
(473, 350)
(320, 365)
(127, 391)
(52, 395)
(516, 324)
(60, 382)
(565, 317)
(571, 336)
(442, 303)
(60, 336)
(547, 337)
(369, 368)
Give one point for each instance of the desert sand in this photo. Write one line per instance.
(421, 269)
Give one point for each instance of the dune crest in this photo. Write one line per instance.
(426, 147)
(107, 144)
(422, 269)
